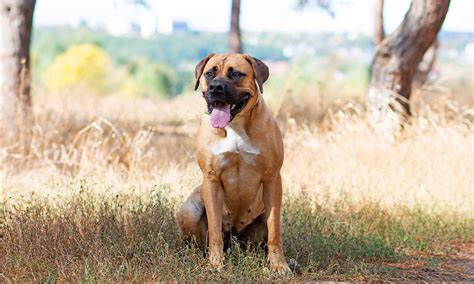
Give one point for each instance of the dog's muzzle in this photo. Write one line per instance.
(224, 102)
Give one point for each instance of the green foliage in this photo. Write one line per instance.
(148, 78)
(50, 42)
(336, 63)
(164, 64)
(185, 82)
(81, 65)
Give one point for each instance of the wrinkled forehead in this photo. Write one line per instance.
(224, 62)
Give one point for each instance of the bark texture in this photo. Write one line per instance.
(15, 100)
(397, 57)
(425, 66)
(235, 40)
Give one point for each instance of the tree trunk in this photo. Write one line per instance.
(397, 57)
(425, 66)
(15, 100)
(379, 34)
(235, 41)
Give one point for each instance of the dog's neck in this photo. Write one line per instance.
(243, 121)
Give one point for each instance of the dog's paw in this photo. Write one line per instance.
(216, 260)
(280, 267)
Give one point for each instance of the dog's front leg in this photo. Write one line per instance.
(213, 197)
(272, 190)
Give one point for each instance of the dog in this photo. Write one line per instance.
(240, 153)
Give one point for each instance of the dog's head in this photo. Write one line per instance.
(231, 85)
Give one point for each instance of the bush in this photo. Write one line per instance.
(84, 65)
(149, 78)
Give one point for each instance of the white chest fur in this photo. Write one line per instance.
(236, 141)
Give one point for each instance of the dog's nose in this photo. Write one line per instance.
(216, 87)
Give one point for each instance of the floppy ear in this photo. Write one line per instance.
(199, 69)
(260, 69)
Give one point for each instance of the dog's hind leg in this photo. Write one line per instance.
(192, 219)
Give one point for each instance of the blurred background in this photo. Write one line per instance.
(150, 48)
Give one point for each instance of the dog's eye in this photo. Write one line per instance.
(209, 74)
(235, 75)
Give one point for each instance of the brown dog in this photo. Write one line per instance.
(240, 153)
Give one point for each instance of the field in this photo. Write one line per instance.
(94, 195)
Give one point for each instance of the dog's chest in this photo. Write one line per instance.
(236, 141)
(237, 158)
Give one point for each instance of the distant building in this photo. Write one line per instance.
(180, 27)
(135, 28)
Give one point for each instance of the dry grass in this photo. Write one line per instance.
(95, 196)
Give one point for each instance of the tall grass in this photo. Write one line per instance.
(94, 197)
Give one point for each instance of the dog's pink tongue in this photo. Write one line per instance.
(220, 115)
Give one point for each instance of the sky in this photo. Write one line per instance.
(351, 16)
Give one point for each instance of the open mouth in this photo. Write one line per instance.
(222, 113)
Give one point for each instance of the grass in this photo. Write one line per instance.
(94, 198)
(93, 237)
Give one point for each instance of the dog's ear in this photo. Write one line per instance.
(200, 68)
(260, 69)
